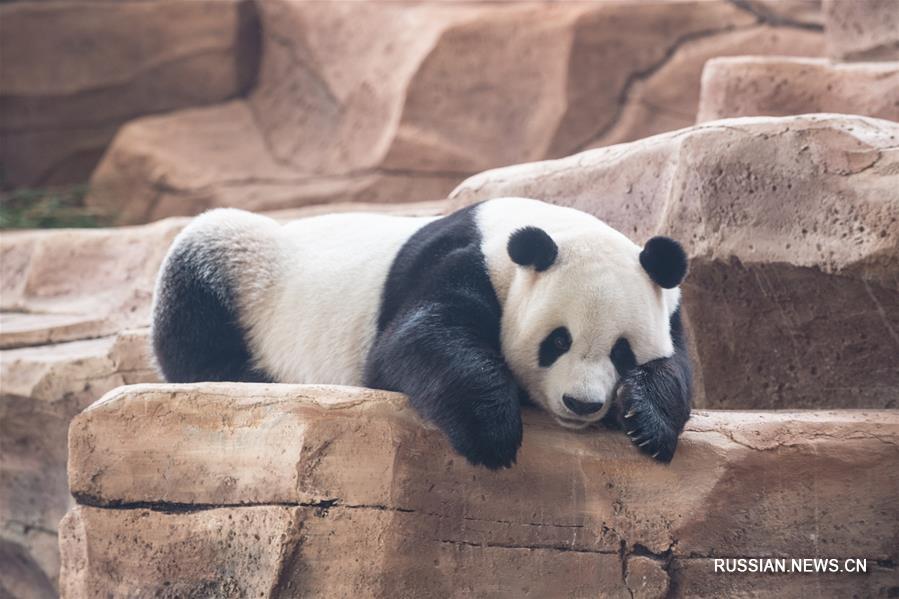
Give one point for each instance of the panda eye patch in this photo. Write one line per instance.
(622, 356)
(556, 343)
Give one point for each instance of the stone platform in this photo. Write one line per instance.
(284, 491)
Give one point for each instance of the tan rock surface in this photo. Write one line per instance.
(42, 389)
(74, 71)
(862, 29)
(62, 285)
(668, 98)
(792, 227)
(777, 86)
(187, 483)
(388, 102)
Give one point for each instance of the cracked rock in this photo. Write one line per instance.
(392, 102)
(646, 578)
(792, 228)
(290, 490)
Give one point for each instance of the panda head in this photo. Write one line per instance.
(583, 307)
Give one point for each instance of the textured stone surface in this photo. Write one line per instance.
(792, 227)
(279, 490)
(862, 29)
(62, 285)
(400, 101)
(778, 86)
(42, 389)
(74, 71)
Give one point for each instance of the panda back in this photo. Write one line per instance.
(241, 297)
(316, 321)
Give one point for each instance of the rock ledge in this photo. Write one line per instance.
(277, 490)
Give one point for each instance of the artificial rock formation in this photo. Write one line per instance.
(64, 285)
(66, 297)
(73, 72)
(862, 29)
(43, 388)
(288, 491)
(792, 227)
(387, 102)
(780, 86)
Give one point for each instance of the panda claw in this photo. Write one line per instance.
(656, 454)
(630, 414)
(644, 443)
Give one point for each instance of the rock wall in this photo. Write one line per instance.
(361, 500)
(781, 86)
(44, 387)
(386, 102)
(862, 29)
(74, 71)
(792, 228)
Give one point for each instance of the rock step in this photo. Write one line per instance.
(779, 86)
(42, 390)
(275, 490)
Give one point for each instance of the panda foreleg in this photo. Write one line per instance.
(655, 399)
(455, 377)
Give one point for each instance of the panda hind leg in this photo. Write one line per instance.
(196, 334)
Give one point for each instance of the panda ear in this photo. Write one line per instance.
(532, 246)
(665, 261)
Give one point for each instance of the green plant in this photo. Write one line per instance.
(52, 207)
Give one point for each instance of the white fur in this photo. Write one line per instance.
(596, 288)
(310, 290)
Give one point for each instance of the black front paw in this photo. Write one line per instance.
(648, 427)
(490, 439)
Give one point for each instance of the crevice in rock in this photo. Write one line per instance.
(643, 74)
(772, 18)
(529, 547)
(622, 555)
(29, 527)
(670, 52)
(168, 507)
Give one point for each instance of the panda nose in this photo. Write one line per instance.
(581, 408)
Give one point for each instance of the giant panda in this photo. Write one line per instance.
(471, 315)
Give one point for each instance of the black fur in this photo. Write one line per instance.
(622, 356)
(665, 261)
(556, 344)
(438, 341)
(532, 246)
(196, 335)
(654, 399)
